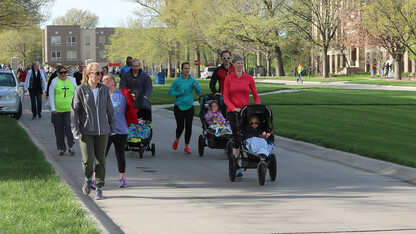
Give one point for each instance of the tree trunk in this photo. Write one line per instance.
(268, 64)
(178, 59)
(325, 64)
(169, 64)
(198, 57)
(279, 61)
(398, 66)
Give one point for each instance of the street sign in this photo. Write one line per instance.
(196, 62)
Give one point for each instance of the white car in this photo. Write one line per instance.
(10, 94)
(207, 72)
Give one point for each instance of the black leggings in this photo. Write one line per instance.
(184, 119)
(232, 118)
(119, 142)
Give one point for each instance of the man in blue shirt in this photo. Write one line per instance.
(127, 66)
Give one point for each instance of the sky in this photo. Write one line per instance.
(111, 13)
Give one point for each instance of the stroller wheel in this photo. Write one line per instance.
(261, 172)
(201, 145)
(229, 149)
(153, 149)
(232, 167)
(272, 165)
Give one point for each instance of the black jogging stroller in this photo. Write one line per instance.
(208, 138)
(247, 159)
(140, 135)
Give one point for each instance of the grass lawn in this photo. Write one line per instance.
(33, 199)
(353, 78)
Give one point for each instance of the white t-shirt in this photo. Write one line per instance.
(95, 92)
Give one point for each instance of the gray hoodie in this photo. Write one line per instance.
(88, 118)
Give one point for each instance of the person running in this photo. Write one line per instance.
(92, 121)
(182, 89)
(36, 84)
(237, 89)
(61, 92)
(221, 72)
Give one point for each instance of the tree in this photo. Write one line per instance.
(16, 14)
(83, 18)
(323, 16)
(25, 44)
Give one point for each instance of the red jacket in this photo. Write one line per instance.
(131, 113)
(220, 74)
(237, 91)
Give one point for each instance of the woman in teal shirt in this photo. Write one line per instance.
(182, 89)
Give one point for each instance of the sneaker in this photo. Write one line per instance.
(98, 194)
(71, 151)
(175, 144)
(239, 172)
(123, 183)
(187, 150)
(93, 184)
(86, 188)
(61, 152)
(40, 116)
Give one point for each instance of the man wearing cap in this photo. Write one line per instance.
(221, 72)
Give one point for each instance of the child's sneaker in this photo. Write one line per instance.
(239, 172)
(175, 144)
(123, 183)
(187, 150)
(93, 184)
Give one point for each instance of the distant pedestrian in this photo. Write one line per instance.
(61, 92)
(383, 66)
(92, 121)
(387, 69)
(372, 70)
(221, 72)
(36, 84)
(299, 70)
(127, 66)
(182, 89)
(78, 74)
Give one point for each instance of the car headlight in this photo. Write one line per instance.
(9, 96)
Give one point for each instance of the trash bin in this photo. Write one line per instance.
(160, 78)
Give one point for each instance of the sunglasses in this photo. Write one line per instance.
(63, 72)
(224, 58)
(97, 73)
(252, 123)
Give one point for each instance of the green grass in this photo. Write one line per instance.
(32, 197)
(377, 124)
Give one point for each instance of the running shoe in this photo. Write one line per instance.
(71, 151)
(99, 194)
(61, 152)
(239, 172)
(86, 188)
(175, 144)
(187, 150)
(123, 183)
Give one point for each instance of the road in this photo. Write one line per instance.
(178, 193)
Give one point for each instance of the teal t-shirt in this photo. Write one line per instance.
(183, 89)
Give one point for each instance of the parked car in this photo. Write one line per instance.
(207, 72)
(10, 94)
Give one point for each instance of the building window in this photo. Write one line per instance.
(71, 55)
(101, 54)
(56, 40)
(71, 41)
(101, 39)
(87, 54)
(87, 40)
(56, 55)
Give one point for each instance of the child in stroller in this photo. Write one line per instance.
(213, 104)
(216, 120)
(254, 150)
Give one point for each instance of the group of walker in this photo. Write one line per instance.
(95, 113)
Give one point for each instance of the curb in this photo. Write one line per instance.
(403, 173)
(93, 211)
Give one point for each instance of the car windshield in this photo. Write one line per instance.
(211, 69)
(7, 79)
